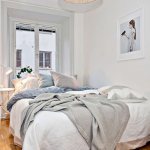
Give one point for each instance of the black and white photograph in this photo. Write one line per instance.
(130, 36)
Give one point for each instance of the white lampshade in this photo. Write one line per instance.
(79, 5)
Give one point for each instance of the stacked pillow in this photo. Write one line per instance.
(25, 83)
(61, 80)
(43, 80)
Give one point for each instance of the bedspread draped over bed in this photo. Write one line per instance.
(99, 121)
(32, 93)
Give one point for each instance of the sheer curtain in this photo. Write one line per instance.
(1, 76)
(4, 75)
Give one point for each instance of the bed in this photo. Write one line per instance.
(54, 130)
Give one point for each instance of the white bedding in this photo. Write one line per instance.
(54, 131)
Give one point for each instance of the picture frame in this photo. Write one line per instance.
(130, 36)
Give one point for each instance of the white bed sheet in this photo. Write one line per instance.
(54, 130)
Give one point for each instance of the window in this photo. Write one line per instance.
(45, 59)
(30, 39)
(18, 58)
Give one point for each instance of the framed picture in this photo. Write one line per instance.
(131, 36)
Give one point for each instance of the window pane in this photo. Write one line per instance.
(18, 58)
(41, 60)
(25, 41)
(48, 59)
(47, 45)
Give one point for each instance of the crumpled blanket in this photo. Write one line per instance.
(32, 93)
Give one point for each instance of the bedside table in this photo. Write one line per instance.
(5, 94)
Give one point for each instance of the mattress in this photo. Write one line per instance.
(54, 130)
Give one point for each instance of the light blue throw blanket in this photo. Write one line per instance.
(32, 93)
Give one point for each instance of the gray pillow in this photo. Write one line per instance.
(45, 80)
(61, 80)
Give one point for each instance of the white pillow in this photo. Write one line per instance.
(25, 83)
(104, 90)
(121, 92)
(30, 83)
(61, 80)
(17, 85)
(84, 92)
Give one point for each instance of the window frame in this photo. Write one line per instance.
(37, 32)
(13, 21)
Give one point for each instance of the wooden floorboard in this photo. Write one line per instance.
(6, 140)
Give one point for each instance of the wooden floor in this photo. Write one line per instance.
(6, 140)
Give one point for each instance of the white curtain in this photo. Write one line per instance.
(0, 48)
(1, 75)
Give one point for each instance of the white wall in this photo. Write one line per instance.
(100, 44)
(0, 31)
(0, 47)
(78, 46)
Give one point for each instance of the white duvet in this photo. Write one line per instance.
(54, 130)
